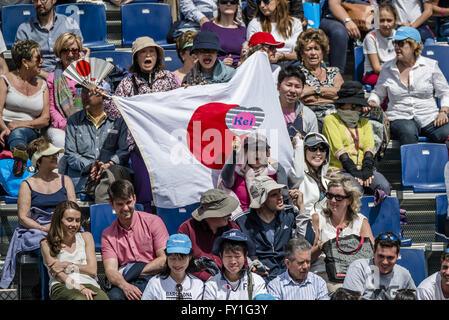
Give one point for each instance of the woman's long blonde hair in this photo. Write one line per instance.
(55, 235)
(284, 23)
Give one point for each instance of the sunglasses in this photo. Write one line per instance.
(320, 147)
(206, 51)
(74, 51)
(179, 292)
(399, 43)
(337, 197)
(389, 236)
(259, 2)
(228, 1)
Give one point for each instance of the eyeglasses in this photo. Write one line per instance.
(259, 2)
(388, 236)
(228, 1)
(179, 292)
(399, 43)
(320, 147)
(337, 197)
(74, 51)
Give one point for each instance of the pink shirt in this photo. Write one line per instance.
(56, 118)
(241, 191)
(139, 243)
(289, 115)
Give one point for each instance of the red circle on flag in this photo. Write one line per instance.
(83, 68)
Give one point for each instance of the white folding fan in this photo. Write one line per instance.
(88, 72)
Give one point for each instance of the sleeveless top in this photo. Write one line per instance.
(21, 107)
(77, 257)
(48, 202)
(311, 80)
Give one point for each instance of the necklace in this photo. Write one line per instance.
(319, 75)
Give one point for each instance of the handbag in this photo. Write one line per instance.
(341, 252)
(361, 14)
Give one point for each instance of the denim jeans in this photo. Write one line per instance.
(21, 135)
(338, 42)
(444, 30)
(407, 131)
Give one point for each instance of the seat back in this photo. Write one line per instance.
(145, 19)
(172, 61)
(90, 17)
(312, 11)
(173, 218)
(422, 166)
(441, 212)
(413, 260)
(12, 17)
(439, 53)
(122, 59)
(384, 217)
(359, 60)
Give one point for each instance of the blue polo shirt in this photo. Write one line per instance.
(33, 30)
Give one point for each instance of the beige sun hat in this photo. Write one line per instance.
(143, 42)
(260, 188)
(51, 150)
(215, 203)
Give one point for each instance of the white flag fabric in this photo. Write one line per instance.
(182, 134)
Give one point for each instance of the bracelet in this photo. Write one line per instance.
(83, 289)
(442, 13)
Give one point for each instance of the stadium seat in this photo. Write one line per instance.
(146, 19)
(437, 31)
(12, 17)
(414, 260)
(422, 166)
(172, 61)
(384, 217)
(31, 258)
(173, 218)
(312, 13)
(92, 21)
(440, 218)
(101, 217)
(359, 60)
(122, 59)
(439, 53)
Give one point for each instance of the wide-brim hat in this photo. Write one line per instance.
(260, 188)
(264, 38)
(234, 235)
(207, 40)
(215, 203)
(143, 42)
(51, 150)
(352, 92)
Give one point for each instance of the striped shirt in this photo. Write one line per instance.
(283, 287)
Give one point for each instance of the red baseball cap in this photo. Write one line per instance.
(264, 38)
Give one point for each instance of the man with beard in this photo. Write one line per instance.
(45, 28)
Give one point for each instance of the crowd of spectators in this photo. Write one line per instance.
(262, 231)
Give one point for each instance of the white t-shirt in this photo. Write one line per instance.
(159, 288)
(409, 10)
(290, 43)
(375, 43)
(430, 288)
(2, 43)
(219, 288)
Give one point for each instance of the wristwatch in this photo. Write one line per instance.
(444, 111)
(347, 20)
(318, 90)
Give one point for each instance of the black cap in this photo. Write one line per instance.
(207, 40)
(352, 92)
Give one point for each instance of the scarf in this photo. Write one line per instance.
(66, 102)
(196, 77)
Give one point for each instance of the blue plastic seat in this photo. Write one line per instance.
(172, 61)
(422, 166)
(122, 59)
(101, 216)
(359, 67)
(384, 217)
(440, 217)
(92, 21)
(439, 53)
(173, 218)
(146, 19)
(312, 11)
(12, 17)
(413, 260)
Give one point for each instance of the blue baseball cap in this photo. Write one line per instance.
(179, 243)
(406, 32)
(234, 235)
(264, 296)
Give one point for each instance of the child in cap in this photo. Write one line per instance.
(208, 69)
(235, 282)
(176, 282)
